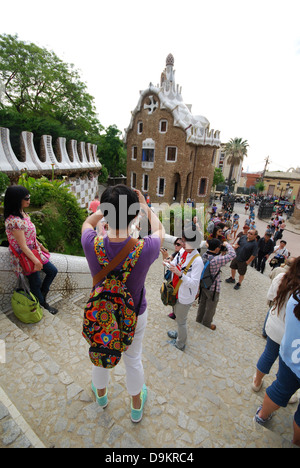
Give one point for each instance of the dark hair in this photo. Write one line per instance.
(119, 205)
(13, 200)
(296, 296)
(290, 283)
(213, 244)
(216, 229)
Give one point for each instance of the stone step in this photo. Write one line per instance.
(196, 398)
(38, 387)
(14, 430)
(208, 382)
(55, 392)
(64, 344)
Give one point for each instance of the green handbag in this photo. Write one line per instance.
(168, 293)
(25, 305)
(167, 290)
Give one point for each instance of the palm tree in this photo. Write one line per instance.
(235, 150)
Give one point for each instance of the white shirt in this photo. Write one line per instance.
(190, 281)
(275, 325)
(283, 251)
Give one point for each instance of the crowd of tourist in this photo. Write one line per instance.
(192, 273)
(242, 246)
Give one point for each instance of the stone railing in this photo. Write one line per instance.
(73, 276)
(76, 162)
(76, 157)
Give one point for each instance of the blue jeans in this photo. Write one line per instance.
(38, 289)
(268, 357)
(284, 387)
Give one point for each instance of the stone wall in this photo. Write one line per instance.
(73, 276)
(76, 162)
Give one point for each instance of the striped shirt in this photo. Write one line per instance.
(216, 262)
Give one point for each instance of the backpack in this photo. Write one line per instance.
(207, 279)
(110, 316)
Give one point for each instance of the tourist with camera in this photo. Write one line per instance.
(209, 290)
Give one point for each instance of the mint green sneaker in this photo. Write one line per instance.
(137, 414)
(102, 401)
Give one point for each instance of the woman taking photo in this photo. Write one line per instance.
(178, 244)
(21, 235)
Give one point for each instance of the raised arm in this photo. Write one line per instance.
(157, 228)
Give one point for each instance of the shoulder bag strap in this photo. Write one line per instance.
(115, 261)
(14, 251)
(185, 270)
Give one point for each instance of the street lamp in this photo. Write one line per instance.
(286, 188)
(278, 187)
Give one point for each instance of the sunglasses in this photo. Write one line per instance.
(27, 198)
(178, 245)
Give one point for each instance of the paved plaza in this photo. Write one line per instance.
(198, 398)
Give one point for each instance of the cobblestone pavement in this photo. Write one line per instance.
(198, 398)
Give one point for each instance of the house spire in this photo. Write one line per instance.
(170, 72)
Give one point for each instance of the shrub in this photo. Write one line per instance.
(4, 182)
(59, 217)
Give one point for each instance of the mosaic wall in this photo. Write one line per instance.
(76, 161)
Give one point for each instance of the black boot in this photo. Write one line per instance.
(51, 309)
(44, 294)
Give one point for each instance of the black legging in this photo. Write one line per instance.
(40, 290)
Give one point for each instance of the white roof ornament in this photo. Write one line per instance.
(292, 169)
(170, 60)
(169, 94)
(152, 106)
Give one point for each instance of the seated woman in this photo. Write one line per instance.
(21, 235)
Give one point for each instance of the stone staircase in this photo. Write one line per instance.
(199, 398)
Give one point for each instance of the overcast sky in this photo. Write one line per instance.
(238, 61)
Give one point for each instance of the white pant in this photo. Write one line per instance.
(132, 360)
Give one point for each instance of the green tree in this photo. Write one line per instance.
(35, 82)
(235, 151)
(111, 152)
(218, 177)
(260, 186)
(4, 182)
(42, 94)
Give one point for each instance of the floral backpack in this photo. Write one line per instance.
(110, 316)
